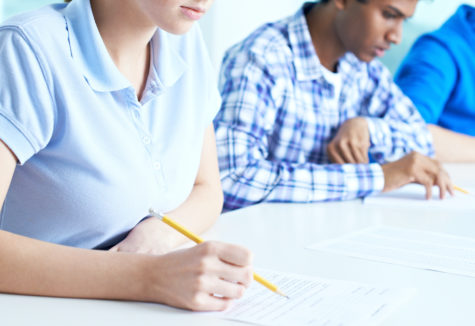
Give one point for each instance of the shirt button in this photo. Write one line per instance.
(157, 165)
(146, 140)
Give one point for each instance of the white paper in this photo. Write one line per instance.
(420, 249)
(413, 195)
(314, 301)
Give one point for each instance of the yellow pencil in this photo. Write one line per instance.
(197, 239)
(461, 190)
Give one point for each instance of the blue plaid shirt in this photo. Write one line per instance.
(279, 113)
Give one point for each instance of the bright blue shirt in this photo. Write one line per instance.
(280, 110)
(438, 74)
(93, 159)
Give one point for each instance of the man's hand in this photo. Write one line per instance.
(417, 168)
(351, 142)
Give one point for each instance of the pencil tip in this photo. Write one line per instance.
(282, 294)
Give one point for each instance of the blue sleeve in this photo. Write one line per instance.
(27, 111)
(427, 76)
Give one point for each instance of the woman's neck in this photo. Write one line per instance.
(126, 32)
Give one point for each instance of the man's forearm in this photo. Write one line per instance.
(392, 140)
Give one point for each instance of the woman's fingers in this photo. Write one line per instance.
(224, 288)
(240, 275)
(209, 302)
(232, 254)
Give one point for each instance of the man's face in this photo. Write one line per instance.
(368, 29)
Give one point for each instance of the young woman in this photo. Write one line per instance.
(105, 111)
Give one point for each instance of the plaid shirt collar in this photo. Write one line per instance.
(306, 62)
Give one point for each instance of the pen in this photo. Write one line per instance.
(197, 239)
(461, 190)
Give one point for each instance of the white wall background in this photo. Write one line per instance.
(429, 15)
(229, 21)
(11, 7)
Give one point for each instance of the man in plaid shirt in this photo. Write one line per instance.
(306, 108)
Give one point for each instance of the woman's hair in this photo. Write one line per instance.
(67, 0)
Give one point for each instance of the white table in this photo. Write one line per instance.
(278, 235)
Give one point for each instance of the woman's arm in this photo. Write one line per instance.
(201, 209)
(451, 146)
(185, 278)
(7, 167)
(197, 213)
(34, 267)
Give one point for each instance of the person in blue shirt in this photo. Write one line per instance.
(106, 111)
(438, 74)
(304, 103)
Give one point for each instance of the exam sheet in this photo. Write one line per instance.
(413, 195)
(420, 249)
(314, 301)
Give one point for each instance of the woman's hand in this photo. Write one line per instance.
(151, 236)
(203, 278)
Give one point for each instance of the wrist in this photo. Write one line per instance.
(134, 274)
(393, 176)
(152, 284)
(386, 172)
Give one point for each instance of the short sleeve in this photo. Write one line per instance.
(27, 111)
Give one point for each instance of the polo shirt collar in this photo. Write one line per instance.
(167, 64)
(89, 51)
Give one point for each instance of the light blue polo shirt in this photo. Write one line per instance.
(93, 159)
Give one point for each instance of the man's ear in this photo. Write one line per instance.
(341, 4)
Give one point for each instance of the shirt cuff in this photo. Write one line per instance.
(350, 182)
(378, 177)
(364, 179)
